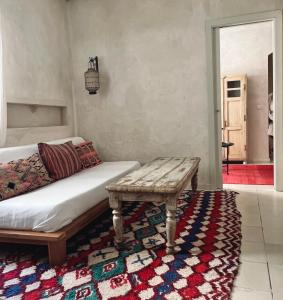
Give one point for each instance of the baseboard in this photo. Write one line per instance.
(259, 161)
(206, 187)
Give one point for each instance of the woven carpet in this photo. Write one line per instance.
(248, 174)
(208, 241)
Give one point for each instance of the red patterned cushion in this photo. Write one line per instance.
(88, 155)
(31, 170)
(60, 160)
(11, 183)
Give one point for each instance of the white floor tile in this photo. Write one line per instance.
(248, 207)
(278, 296)
(252, 234)
(274, 254)
(273, 235)
(251, 219)
(248, 203)
(264, 187)
(271, 205)
(253, 276)
(253, 252)
(247, 196)
(271, 210)
(260, 206)
(273, 221)
(270, 198)
(226, 186)
(247, 294)
(276, 275)
(242, 187)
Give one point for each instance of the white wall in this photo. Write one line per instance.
(37, 65)
(244, 50)
(152, 56)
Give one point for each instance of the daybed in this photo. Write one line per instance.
(52, 214)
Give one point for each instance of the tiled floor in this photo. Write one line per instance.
(261, 270)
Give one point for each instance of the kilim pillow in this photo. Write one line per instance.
(31, 170)
(36, 162)
(11, 183)
(60, 160)
(88, 155)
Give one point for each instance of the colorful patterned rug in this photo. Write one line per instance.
(206, 262)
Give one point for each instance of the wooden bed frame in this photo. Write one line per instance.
(56, 241)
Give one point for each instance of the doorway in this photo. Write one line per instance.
(214, 91)
(247, 103)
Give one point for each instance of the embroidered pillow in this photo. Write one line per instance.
(31, 170)
(88, 155)
(11, 183)
(36, 162)
(60, 160)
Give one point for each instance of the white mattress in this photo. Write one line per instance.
(58, 204)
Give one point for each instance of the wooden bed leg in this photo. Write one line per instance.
(57, 252)
(194, 181)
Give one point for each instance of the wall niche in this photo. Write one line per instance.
(29, 115)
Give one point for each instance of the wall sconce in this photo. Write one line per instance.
(92, 76)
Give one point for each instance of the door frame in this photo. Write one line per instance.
(214, 91)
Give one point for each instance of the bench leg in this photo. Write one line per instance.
(194, 181)
(116, 205)
(57, 252)
(170, 225)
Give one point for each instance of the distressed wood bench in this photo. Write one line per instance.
(161, 180)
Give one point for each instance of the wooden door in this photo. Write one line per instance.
(235, 115)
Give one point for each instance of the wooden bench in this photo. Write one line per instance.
(161, 180)
(56, 241)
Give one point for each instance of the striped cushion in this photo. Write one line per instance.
(88, 155)
(60, 160)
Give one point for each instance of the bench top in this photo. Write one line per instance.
(162, 175)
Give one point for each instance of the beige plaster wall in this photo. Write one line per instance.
(153, 98)
(244, 50)
(37, 66)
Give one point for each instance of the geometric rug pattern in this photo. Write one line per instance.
(208, 241)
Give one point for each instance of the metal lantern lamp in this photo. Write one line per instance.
(92, 76)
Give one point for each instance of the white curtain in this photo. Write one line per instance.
(3, 105)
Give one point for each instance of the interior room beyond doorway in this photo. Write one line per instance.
(246, 65)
